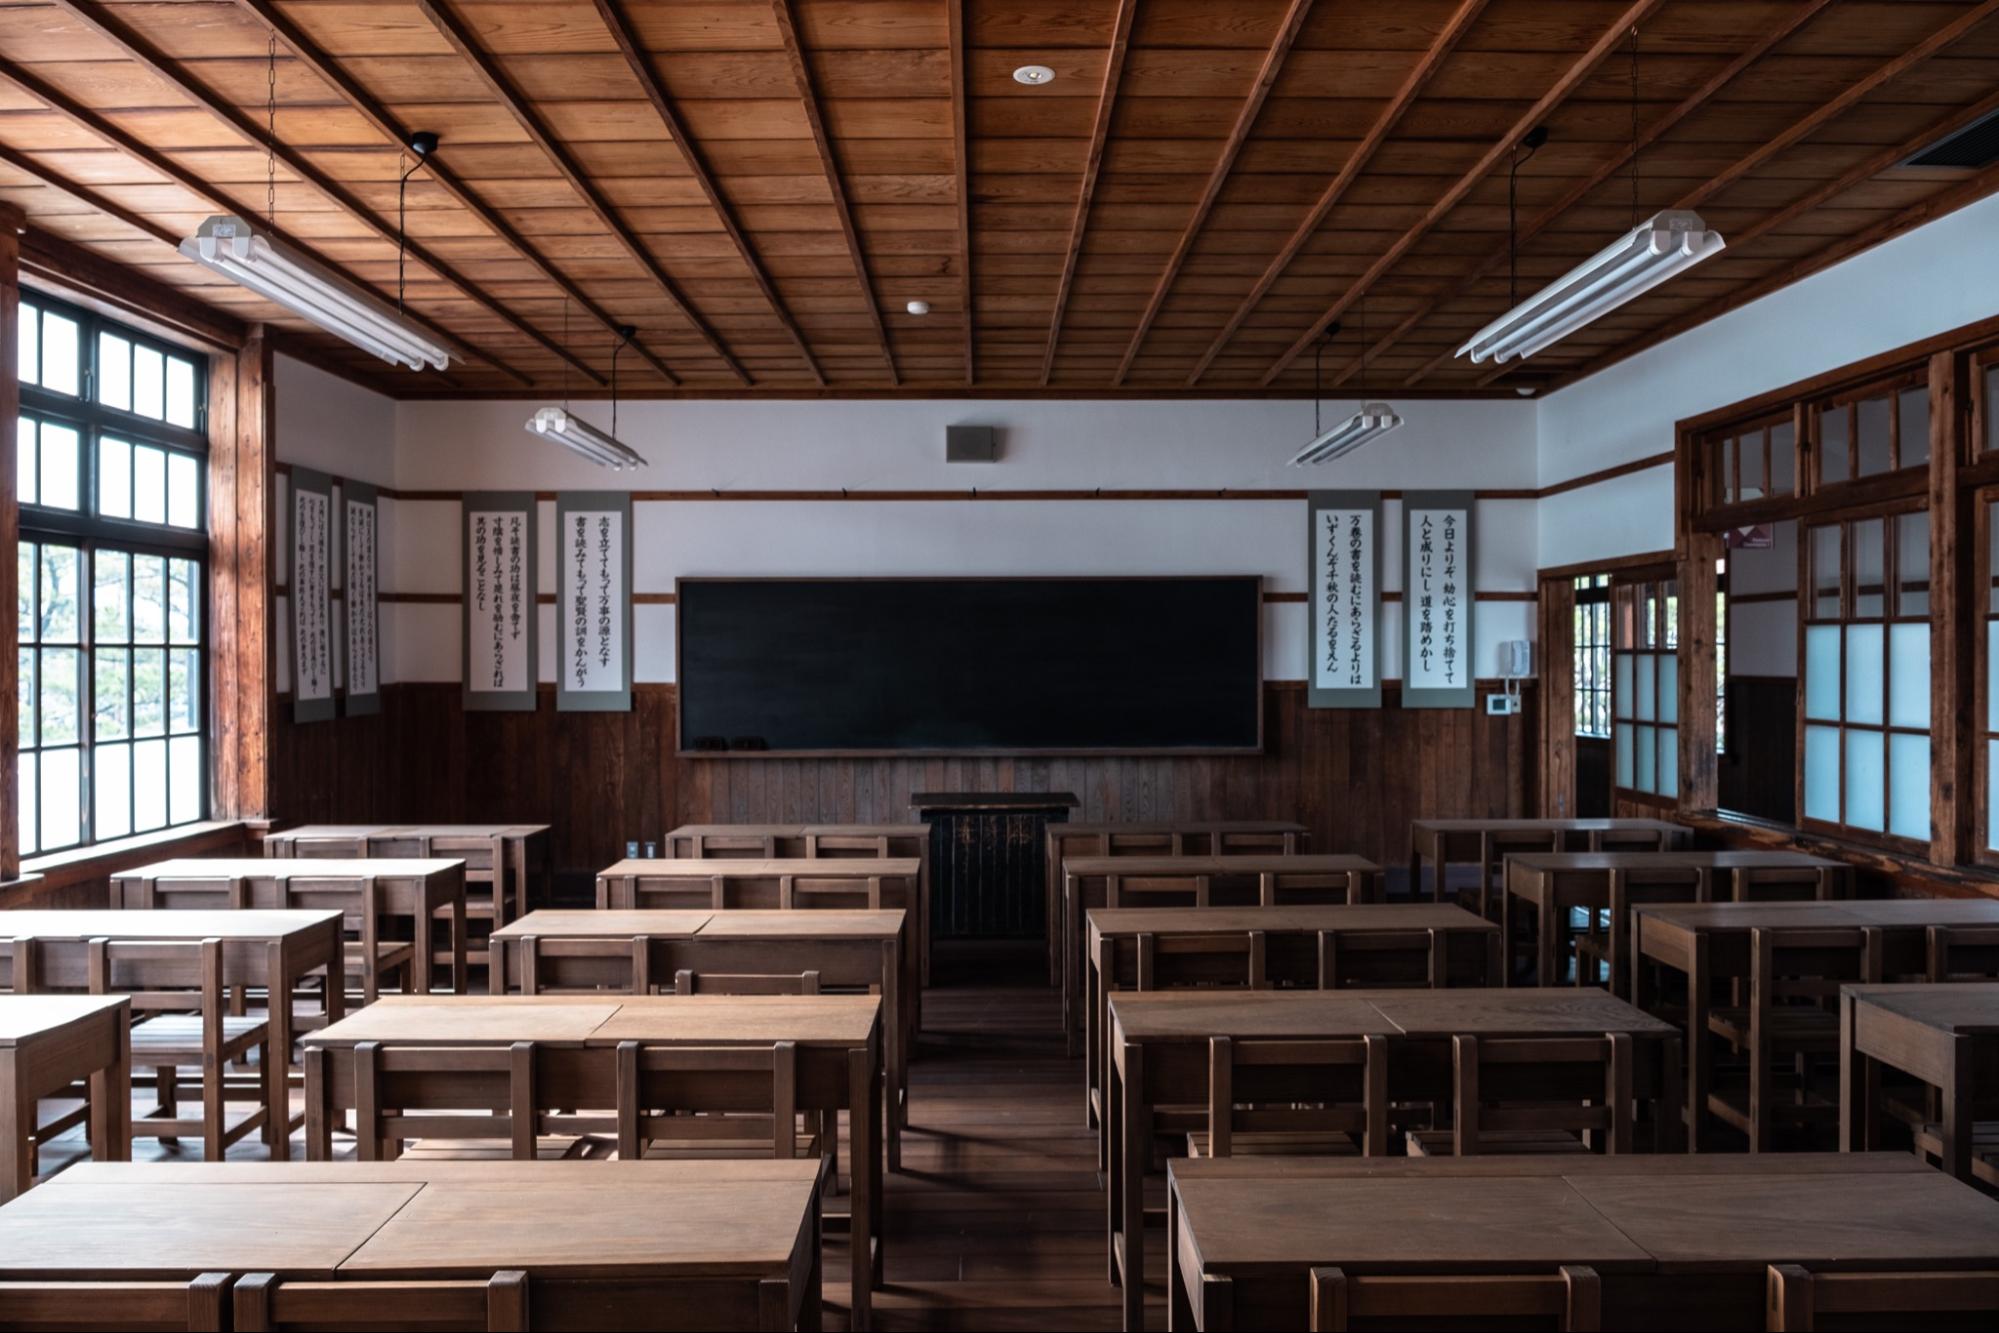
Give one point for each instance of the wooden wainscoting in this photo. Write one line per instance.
(1355, 778)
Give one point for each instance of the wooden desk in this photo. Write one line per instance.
(1442, 841)
(820, 842)
(847, 949)
(1160, 1055)
(515, 854)
(1710, 942)
(1469, 948)
(48, 1043)
(1947, 1035)
(1556, 883)
(1182, 837)
(271, 949)
(1677, 1242)
(743, 1237)
(415, 890)
(840, 1063)
(1247, 879)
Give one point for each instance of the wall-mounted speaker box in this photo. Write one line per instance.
(971, 444)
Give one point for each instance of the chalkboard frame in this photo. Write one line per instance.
(1262, 684)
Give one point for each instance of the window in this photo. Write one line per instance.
(1721, 657)
(1755, 460)
(113, 573)
(1866, 675)
(1645, 677)
(1884, 429)
(1593, 655)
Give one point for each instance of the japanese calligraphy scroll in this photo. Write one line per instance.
(1437, 600)
(1345, 640)
(311, 595)
(501, 618)
(361, 620)
(593, 601)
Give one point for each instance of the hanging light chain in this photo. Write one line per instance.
(271, 133)
(1633, 46)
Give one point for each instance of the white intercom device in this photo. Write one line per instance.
(1516, 662)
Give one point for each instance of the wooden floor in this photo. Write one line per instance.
(997, 1219)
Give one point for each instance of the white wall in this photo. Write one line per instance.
(1937, 277)
(899, 446)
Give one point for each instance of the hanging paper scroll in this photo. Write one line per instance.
(1345, 641)
(501, 618)
(359, 531)
(1437, 600)
(311, 595)
(593, 601)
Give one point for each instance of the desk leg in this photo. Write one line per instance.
(1547, 934)
(1700, 1051)
(1131, 1187)
(279, 990)
(1072, 948)
(17, 1153)
(1957, 1119)
(111, 1101)
(862, 1193)
(420, 970)
(1095, 1048)
(1179, 1310)
(496, 966)
(896, 1042)
(1415, 871)
(460, 977)
(1854, 1113)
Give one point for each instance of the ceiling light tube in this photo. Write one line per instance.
(275, 270)
(1373, 421)
(580, 437)
(1651, 252)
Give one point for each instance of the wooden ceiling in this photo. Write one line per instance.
(759, 186)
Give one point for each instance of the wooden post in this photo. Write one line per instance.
(241, 417)
(1956, 601)
(1697, 554)
(1558, 698)
(12, 220)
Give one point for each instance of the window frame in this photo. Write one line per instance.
(91, 532)
(1658, 588)
(1592, 664)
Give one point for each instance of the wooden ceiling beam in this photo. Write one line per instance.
(613, 14)
(1093, 161)
(439, 170)
(1405, 96)
(503, 89)
(961, 162)
(171, 72)
(829, 163)
(1252, 106)
(1571, 78)
(1921, 211)
(150, 157)
(1693, 102)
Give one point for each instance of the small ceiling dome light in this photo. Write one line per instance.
(1034, 75)
(1524, 390)
(918, 307)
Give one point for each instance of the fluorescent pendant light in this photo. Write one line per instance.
(1373, 421)
(580, 437)
(1651, 252)
(273, 269)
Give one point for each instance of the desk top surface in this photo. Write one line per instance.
(25, 1017)
(412, 830)
(443, 1020)
(1961, 1006)
(164, 924)
(379, 1218)
(1120, 921)
(1740, 859)
(294, 867)
(1240, 863)
(1182, 1015)
(829, 923)
(750, 867)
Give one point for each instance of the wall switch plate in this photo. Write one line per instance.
(652, 851)
(1498, 705)
(631, 851)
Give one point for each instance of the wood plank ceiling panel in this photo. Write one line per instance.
(760, 187)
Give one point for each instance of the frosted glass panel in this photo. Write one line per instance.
(1669, 763)
(1870, 565)
(1669, 689)
(1782, 470)
(1825, 572)
(1822, 774)
(1835, 427)
(1912, 409)
(1909, 787)
(1645, 711)
(1866, 781)
(1863, 673)
(1647, 750)
(1624, 754)
(1909, 676)
(1992, 794)
(1992, 679)
(1912, 565)
(1621, 684)
(1822, 671)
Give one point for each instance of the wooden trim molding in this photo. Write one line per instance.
(11, 220)
(242, 405)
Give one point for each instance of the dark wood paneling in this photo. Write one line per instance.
(1354, 778)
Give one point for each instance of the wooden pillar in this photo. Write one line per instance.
(1558, 698)
(1696, 553)
(11, 222)
(242, 440)
(1956, 601)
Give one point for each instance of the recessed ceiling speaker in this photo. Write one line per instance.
(971, 444)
